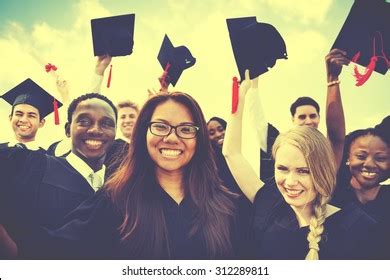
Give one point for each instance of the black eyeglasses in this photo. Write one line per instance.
(185, 131)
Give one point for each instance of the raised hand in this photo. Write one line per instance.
(335, 60)
(102, 63)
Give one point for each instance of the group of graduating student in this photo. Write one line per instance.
(176, 187)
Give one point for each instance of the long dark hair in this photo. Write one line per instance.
(134, 190)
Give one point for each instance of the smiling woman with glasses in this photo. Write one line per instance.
(168, 190)
(165, 201)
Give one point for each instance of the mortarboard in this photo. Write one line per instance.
(28, 92)
(366, 34)
(179, 59)
(256, 46)
(113, 35)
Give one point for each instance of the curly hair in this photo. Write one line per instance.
(73, 105)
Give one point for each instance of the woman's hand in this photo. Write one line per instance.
(334, 63)
(102, 63)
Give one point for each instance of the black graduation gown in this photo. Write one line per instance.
(349, 234)
(267, 169)
(244, 206)
(51, 150)
(5, 146)
(92, 232)
(37, 189)
(379, 208)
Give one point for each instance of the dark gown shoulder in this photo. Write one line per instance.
(244, 209)
(52, 148)
(267, 163)
(379, 208)
(348, 234)
(38, 190)
(89, 232)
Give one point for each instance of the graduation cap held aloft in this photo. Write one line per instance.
(28, 92)
(256, 46)
(174, 60)
(113, 36)
(365, 37)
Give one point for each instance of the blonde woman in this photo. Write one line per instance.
(292, 217)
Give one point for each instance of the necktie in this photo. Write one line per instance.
(96, 181)
(20, 146)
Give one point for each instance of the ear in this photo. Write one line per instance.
(42, 123)
(67, 130)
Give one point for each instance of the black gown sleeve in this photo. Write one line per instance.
(90, 232)
(21, 171)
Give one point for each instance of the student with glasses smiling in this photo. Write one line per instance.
(165, 201)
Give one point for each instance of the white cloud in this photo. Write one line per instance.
(305, 11)
(306, 46)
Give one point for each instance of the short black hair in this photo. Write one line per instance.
(344, 175)
(76, 101)
(301, 101)
(217, 119)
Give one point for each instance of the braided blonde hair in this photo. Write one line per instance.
(320, 160)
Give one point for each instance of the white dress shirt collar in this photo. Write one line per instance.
(32, 145)
(84, 169)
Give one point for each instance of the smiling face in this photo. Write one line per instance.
(92, 130)
(25, 122)
(306, 115)
(369, 162)
(127, 116)
(216, 132)
(293, 177)
(170, 153)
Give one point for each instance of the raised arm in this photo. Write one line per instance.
(257, 119)
(335, 121)
(255, 128)
(242, 171)
(101, 66)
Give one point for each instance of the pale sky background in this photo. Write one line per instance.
(59, 32)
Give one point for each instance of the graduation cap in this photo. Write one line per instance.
(256, 46)
(174, 60)
(365, 35)
(28, 92)
(113, 35)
